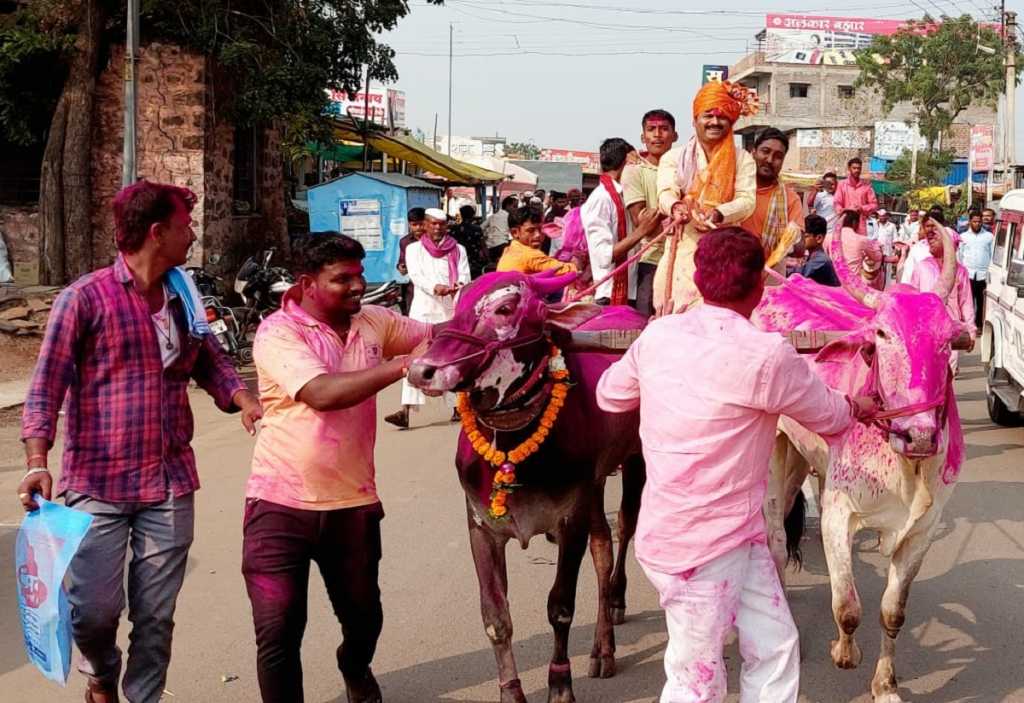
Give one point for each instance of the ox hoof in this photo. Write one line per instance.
(845, 653)
(512, 693)
(888, 698)
(602, 667)
(618, 616)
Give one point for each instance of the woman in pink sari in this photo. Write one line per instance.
(862, 255)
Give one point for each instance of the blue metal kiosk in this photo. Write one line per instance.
(371, 207)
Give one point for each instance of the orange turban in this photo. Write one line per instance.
(717, 184)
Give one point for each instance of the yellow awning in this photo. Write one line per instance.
(408, 149)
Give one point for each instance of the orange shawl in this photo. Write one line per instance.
(717, 184)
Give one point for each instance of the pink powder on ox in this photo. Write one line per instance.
(800, 304)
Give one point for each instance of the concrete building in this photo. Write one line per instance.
(827, 119)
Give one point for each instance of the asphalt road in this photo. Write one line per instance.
(963, 640)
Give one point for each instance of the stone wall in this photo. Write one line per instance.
(19, 227)
(171, 126)
(185, 138)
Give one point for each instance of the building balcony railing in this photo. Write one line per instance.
(751, 60)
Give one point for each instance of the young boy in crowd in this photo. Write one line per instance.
(524, 253)
(818, 266)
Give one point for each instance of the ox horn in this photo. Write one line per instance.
(852, 282)
(948, 277)
(547, 282)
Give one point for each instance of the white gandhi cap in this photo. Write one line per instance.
(435, 214)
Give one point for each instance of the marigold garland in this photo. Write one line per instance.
(504, 481)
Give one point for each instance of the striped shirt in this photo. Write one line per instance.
(128, 421)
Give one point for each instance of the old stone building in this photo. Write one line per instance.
(185, 137)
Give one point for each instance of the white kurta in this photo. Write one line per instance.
(600, 223)
(426, 273)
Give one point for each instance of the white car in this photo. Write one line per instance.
(1002, 341)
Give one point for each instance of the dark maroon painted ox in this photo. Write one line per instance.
(497, 349)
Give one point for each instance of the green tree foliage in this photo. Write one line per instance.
(272, 59)
(522, 150)
(932, 168)
(936, 67)
(34, 43)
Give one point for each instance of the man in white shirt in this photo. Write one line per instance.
(885, 232)
(975, 251)
(606, 226)
(438, 267)
(496, 232)
(821, 200)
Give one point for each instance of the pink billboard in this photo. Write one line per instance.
(810, 39)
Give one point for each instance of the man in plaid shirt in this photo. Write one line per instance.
(119, 347)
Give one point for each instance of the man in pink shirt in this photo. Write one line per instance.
(710, 387)
(321, 359)
(854, 193)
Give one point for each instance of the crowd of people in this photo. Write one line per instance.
(667, 227)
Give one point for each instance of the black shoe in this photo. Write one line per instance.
(399, 419)
(362, 690)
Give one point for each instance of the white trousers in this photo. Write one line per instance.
(740, 588)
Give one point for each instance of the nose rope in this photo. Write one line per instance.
(487, 348)
(881, 419)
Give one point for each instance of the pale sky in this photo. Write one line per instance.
(569, 73)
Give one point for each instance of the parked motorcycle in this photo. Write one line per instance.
(221, 318)
(386, 295)
(261, 287)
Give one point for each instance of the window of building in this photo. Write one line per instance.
(799, 90)
(845, 91)
(244, 192)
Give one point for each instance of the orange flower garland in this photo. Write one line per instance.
(504, 481)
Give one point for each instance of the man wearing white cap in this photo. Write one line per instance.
(885, 232)
(438, 266)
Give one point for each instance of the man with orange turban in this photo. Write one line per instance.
(704, 184)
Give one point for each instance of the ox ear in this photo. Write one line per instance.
(565, 318)
(846, 349)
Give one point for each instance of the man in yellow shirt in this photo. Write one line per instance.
(523, 253)
(704, 184)
(640, 194)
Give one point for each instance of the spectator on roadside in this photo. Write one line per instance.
(975, 252)
(855, 193)
(417, 219)
(496, 231)
(818, 266)
(469, 234)
(821, 199)
(575, 197)
(122, 345)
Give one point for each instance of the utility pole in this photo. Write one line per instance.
(131, 54)
(366, 121)
(1010, 43)
(915, 139)
(451, 43)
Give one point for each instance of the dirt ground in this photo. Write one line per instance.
(18, 355)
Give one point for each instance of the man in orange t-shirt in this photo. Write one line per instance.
(778, 215)
(321, 360)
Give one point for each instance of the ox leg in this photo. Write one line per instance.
(492, 575)
(634, 475)
(602, 656)
(775, 504)
(572, 544)
(902, 570)
(837, 534)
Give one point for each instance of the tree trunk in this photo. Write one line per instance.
(51, 201)
(65, 197)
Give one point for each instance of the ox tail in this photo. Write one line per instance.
(796, 525)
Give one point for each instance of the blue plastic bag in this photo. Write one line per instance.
(46, 543)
